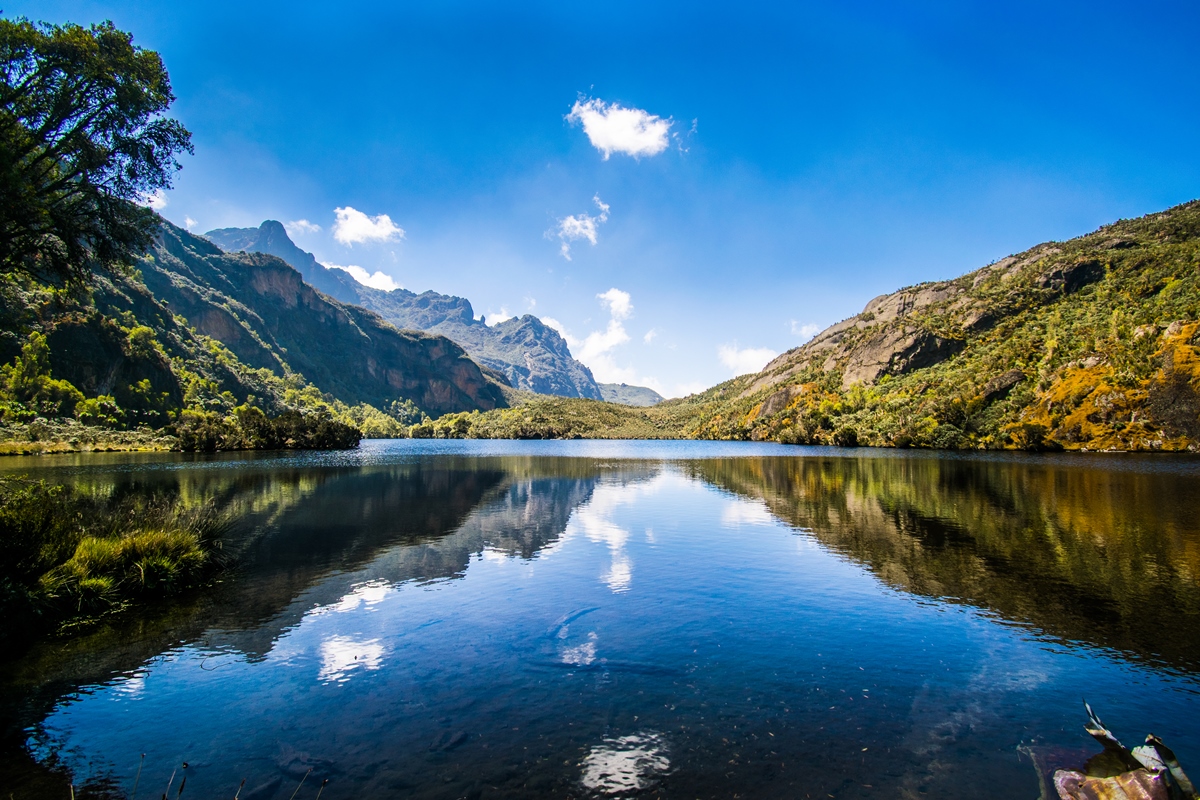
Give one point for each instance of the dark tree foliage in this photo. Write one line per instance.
(82, 139)
(251, 429)
(1174, 404)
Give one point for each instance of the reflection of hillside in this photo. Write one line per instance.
(515, 517)
(306, 539)
(292, 528)
(1107, 557)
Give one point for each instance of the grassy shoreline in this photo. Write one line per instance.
(47, 437)
(69, 558)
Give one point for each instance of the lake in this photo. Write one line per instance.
(433, 619)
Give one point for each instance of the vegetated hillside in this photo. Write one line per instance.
(530, 354)
(533, 416)
(195, 329)
(626, 395)
(1084, 344)
(1093, 343)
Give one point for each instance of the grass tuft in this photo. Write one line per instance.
(66, 555)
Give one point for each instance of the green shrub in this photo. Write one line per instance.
(27, 381)
(251, 429)
(102, 411)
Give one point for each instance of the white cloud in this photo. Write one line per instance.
(558, 326)
(188, 222)
(684, 389)
(156, 200)
(493, 318)
(600, 343)
(650, 334)
(596, 346)
(354, 227)
(742, 361)
(299, 227)
(378, 280)
(596, 349)
(573, 228)
(679, 139)
(612, 128)
(617, 302)
(806, 331)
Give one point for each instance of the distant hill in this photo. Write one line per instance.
(196, 328)
(626, 395)
(1088, 344)
(530, 354)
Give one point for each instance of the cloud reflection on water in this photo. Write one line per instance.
(581, 655)
(596, 519)
(746, 512)
(366, 595)
(625, 764)
(341, 655)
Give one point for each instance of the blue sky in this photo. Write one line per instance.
(792, 160)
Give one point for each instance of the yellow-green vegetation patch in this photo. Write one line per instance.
(47, 436)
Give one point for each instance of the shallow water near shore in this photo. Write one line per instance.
(674, 619)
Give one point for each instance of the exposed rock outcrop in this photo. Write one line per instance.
(882, 340)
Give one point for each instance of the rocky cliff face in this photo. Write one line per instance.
(269, 317)
(924, 325)
(528, 353)
(272, 238)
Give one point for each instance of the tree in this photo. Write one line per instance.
(83, 139)
(28, 381)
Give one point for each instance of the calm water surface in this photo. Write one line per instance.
(575, 619)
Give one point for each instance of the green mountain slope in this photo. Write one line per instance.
(531, 355)
(195, 328)
(1093, 343)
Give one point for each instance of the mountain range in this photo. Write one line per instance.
(530, 354)
(1087, 344)
(196, 328)
(626, 395)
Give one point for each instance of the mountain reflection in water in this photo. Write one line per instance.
(795, 621)
(1081, 552)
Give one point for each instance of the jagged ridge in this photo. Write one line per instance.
(530, 354)
(195, 328)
